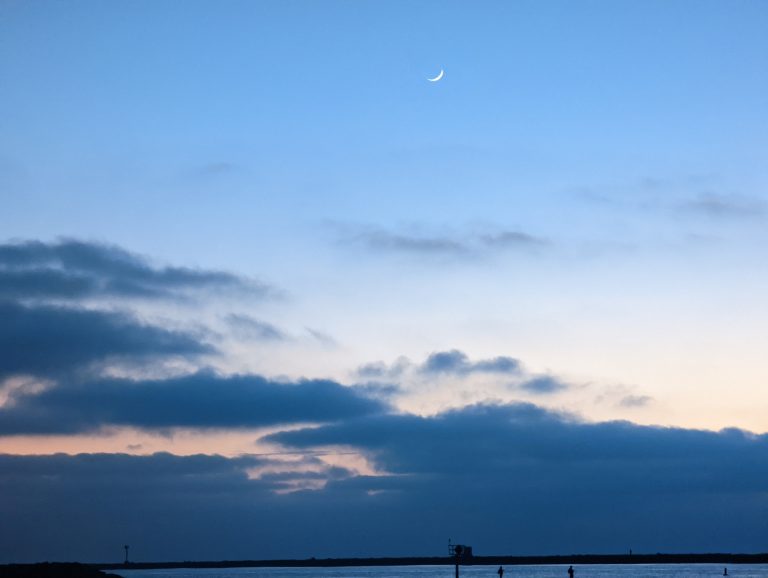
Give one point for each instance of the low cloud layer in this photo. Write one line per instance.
(508, 479)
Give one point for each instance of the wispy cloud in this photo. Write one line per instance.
(631, 401)
(543, 384)
(725, 206)
(453, 245)
(396, 242)
(246, 327)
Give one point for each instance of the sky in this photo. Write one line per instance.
(266, 291)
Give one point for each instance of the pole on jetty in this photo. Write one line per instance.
(457, 551)
(126, 554)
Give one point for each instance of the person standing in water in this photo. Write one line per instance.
(725, 571)
(500, 572)
(570, 571)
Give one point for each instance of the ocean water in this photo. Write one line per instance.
(554, 571)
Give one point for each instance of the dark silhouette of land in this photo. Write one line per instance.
(723, 558)
(74, 570)
(53, 570)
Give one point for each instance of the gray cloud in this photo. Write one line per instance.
(543, 384)
(217, 168)
(47, 341)
(200, 400)
(454, 246)
(246, 327)
(457, 362)
(635, 400)
(512, 239)
(719, 205)
(388, 241)
(380, 370)
(71, 269)
(321, 337)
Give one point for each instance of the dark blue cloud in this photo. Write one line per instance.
(457, 362)
(201, 400)
(71, 269)
(511, 479)
(47, 341)
(548, 483)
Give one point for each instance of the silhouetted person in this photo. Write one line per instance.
(725, 571)
(500, 572)
(570, 571)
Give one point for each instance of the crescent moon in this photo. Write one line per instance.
(438, 77)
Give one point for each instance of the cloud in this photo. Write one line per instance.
(508, 479)
(246, 327)
(321, 337)
(635, 401)
(217, 168)
(508, 373)
(725, 206)
(166, 507)
(380, 370)
(512, 239)
(71, 269)
(543, 384)
(200, 400)
(502, 438)
(456, 362)
(387, 241)
(551, 483)
(446, 246)
(46, 341)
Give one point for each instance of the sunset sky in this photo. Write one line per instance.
(266, 291)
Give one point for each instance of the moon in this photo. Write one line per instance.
(438, 77)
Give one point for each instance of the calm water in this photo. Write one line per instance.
(582, 571)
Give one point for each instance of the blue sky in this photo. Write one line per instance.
(242, 196)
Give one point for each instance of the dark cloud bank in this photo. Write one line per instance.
(506, 478)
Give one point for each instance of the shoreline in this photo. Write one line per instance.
(714, 558)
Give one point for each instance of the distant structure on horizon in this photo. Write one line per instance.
(459, 551)
(126, 554)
